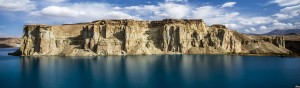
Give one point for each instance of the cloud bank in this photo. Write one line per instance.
(62, 11)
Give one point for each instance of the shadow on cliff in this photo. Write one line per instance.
(36, 39)
(79, 41)
(121, 37)
(155, 34)
(86, 33)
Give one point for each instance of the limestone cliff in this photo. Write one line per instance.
(9, 42)
(133, 37)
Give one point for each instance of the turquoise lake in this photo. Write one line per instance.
(153, 71)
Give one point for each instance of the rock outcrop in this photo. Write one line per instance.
(132, 37)
(292, 43)
(9, 42)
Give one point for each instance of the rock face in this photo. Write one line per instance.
(132, 37)
(292, 43)
(9, 42)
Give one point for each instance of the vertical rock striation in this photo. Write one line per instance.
(133, 37)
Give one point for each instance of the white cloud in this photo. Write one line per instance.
(256, 31)
(263, 27)
(297, 25)
(286, 2)
(56, 1)
(288, 12)
(206, 12)
(160, 11)
(95, 11)
(82, 12)
(247, 30)
(228, 4)
(232, 26)
(252, 21)
(252, 29)
(290, 9)
(61, 12)
(176, 0)
(171, 10)
(214, 15)
(280, 25)
(79, 12)
(281, 16)
(211, 14)
(17, 5)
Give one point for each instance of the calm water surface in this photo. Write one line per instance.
(155, 71)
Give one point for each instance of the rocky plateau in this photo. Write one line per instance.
(135, 37)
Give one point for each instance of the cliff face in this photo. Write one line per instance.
(132, 37)
(9, 42)
(292, 43)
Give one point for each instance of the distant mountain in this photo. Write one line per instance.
(284, 32)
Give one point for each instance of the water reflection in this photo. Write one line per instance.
(128, 71)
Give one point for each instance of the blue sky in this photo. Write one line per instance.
(247, 16)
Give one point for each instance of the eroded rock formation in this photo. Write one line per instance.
(132, 37)
(9, 42)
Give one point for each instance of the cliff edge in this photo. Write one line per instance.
(133, 37)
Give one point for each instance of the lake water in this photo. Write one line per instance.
(154, 71)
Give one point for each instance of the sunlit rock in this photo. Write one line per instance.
(133, 37)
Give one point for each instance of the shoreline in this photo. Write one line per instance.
(239, 54)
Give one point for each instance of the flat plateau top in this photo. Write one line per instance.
(130, 20)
